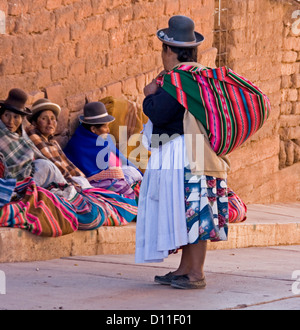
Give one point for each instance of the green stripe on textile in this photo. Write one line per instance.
(192, 91)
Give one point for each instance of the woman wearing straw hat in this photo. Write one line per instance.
(41, 132)
(176, 208)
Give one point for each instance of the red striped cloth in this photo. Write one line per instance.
(2, 168)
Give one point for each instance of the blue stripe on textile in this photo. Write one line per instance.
(215, 73)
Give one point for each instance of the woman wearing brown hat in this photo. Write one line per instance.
(41, 132)
(22, 159)
(176, 208)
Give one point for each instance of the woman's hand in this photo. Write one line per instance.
(162, 73)
(151, 88)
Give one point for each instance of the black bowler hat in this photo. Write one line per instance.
(95, 113)
(15, 102)
(180, 33)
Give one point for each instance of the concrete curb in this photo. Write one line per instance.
(266, 225)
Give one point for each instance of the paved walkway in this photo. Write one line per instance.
(258, 268)
(246, 278)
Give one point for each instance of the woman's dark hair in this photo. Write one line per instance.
(88, 126)
(183, 54)
(2, 110)
(35, 117)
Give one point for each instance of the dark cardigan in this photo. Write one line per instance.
(165, 112)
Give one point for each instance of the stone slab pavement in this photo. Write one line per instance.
(254, 278)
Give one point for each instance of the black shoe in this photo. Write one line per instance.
(183, 282)
(166, 279)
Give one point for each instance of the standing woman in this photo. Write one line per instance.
(178, 209)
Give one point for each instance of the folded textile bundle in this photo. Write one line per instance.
(44, 213)
(237, 209)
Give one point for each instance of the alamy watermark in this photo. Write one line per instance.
(2, 282)
(139, 150)
(296, 284)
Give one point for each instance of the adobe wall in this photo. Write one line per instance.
(261, 46)
(76, 50)
(70, 51)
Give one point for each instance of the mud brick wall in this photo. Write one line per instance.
(262, 47)
(72, 51)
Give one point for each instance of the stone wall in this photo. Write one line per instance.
(261, 46)
(72, 51)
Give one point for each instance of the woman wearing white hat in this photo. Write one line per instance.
(44, 123)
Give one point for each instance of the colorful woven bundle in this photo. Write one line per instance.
(229, 106)
(237, 209)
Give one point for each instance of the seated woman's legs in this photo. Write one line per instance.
(45, 172)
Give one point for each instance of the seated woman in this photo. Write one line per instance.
(41, 132)
(92, 150)
(20, 156)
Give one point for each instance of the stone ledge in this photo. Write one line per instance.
(266, 225)
(19, 245)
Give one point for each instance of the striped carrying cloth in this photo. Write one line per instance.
(229, 106)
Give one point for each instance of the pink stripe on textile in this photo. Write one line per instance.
(180, 94)
(239, 114)
(212, 112)
(227, 122)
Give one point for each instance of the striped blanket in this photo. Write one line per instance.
(229, 106)
(97, 207)
(39, 211)
(43, 213)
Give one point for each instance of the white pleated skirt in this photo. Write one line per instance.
(161, 221)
